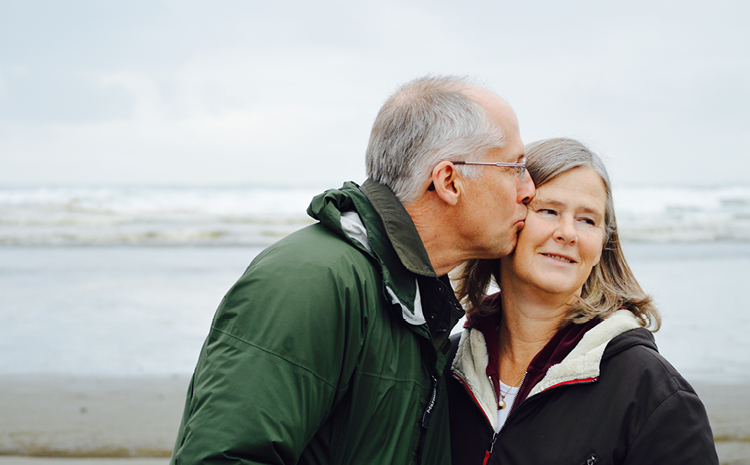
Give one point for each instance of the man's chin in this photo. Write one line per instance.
(507, 247)
(510, 246)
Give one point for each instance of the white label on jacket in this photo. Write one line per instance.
(417, 318)
(353, 226)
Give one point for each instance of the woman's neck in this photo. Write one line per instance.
(529, 320)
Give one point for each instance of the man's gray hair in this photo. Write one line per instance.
(425, 121)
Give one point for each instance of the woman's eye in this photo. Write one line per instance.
(588, 221)
(547, 211)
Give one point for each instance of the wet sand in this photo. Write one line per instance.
(78, 416)
(80, 420)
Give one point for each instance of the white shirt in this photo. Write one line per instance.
(510, 397)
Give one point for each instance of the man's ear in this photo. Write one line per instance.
(446, 182)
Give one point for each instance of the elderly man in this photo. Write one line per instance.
(330, 348)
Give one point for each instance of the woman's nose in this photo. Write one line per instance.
(566, 231)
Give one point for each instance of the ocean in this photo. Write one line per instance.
(253, 216)
(125, 281)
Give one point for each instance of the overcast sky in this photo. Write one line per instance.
(285, 92)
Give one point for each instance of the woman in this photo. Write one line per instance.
(558, 367)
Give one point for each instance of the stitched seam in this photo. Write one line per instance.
(640, 428)
(388, 378)
(263, 349)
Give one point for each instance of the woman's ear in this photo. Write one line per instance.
(446, 182)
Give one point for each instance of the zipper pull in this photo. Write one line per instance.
(431, 404)
(489, 452)
(592, 460)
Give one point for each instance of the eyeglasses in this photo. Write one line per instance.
(520, 168)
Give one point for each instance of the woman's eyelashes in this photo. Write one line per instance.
(554, 213)
(588, 221)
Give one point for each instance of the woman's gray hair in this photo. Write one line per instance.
(424, 122)
(611, 284)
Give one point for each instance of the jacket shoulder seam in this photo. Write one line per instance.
(674, 392)
(656, 357)
(390, 378)
(263, 349)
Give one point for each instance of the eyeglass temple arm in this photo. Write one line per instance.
(519, 165)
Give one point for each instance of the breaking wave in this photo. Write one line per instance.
(201, 216)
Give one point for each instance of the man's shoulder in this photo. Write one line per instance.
(312, 263)
(314, 245)
(308, 279)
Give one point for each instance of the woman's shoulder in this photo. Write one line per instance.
(658, 404)
(632, 358)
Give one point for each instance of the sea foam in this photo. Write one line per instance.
(229, 216)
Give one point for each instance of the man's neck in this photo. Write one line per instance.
(438, 239)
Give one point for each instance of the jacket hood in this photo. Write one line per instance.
(630, 339)
(349, 213)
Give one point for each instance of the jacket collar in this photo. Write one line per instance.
(553, 353)
(399, 227)
(573, 355)
(351, 214)
(582, 363)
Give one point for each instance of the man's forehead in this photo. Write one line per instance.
(500, 113)
(519, 152)
(513, 151)
(514, 148)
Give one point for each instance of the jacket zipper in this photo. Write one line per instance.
(476, 402)
(519, 390)
(492, 385)
(513, 409)
(591, 460)
(489, 452)
(431, 404)
(426, 417)
(495, 434)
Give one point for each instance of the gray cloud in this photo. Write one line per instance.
(285, 92)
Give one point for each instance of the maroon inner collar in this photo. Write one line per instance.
(561, 344)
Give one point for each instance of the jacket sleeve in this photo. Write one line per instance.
(676, 431)
(280, 351)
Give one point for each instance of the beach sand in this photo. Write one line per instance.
(81, 416)
(83, 420)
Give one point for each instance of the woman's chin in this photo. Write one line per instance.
(560, 288)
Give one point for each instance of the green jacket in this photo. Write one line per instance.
(327, 351)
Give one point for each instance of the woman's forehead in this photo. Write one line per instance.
(581, 189)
